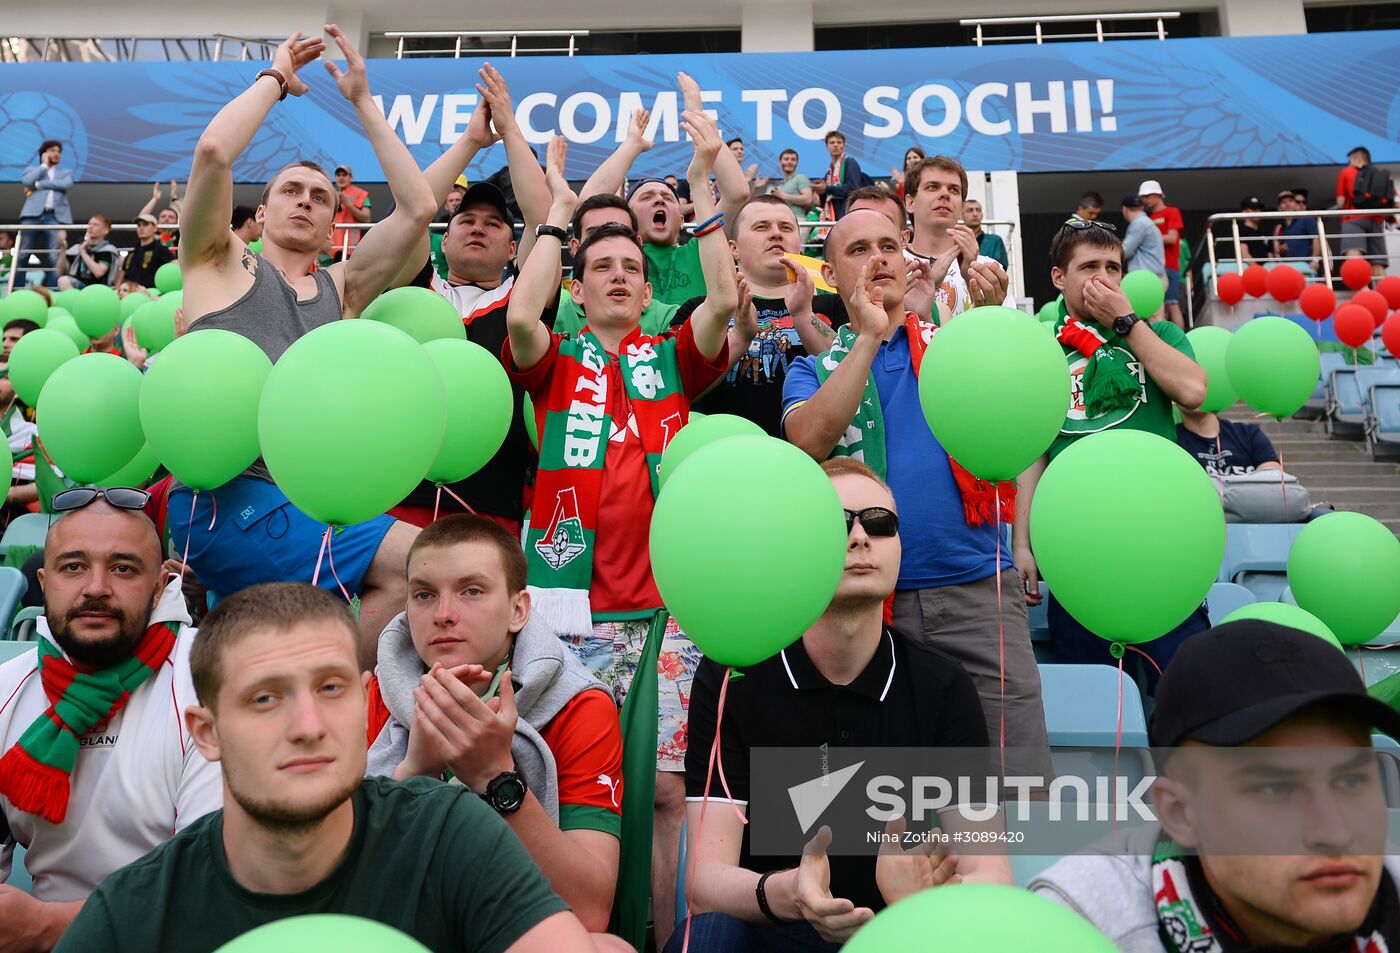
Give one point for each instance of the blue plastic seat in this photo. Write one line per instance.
(25, 624)
(1226, 597)
(13, 586)
(1349, 410)
(1383, 430)
(1081, 707)
(27, 529)
(1317, 403)
(1257, 547)
(10, 649)
(19, 876)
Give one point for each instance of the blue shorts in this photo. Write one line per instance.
(259, 536)
(1173, 287)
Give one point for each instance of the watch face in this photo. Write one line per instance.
(507, 793)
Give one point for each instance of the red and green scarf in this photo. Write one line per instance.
(864, 439)
(1109, 384)
(35, 773)
(574, 427)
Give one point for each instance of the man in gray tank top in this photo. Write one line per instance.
(273, 299)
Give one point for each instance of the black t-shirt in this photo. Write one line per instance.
(1255, 240)
(143, 261)
(1240, 448)
(908, 696)
(753, 388)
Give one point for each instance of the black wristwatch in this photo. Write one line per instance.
(553, 231)
(506, 792)
(761, 895)
(1124, 323)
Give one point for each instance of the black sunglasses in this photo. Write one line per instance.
(1080, 224)
(875, 520)
(122, 497)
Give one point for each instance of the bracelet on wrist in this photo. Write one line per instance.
(701, 227)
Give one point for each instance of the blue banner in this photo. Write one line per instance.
(1178, 104)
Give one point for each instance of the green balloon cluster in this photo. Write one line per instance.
(89, 416)
(479, 407)
(132, 303)
(701, 433)
(36, 356)
(722, 594)
(324, 933)
(1145, 292)
(1343, 568)
(168, 278)
(137, 472)
(1211, 344)
(1007, 427)
(24, 304)
(63, 322)
(420, 313)
(1284, 614)
(64, 299)
(351, 418)
(97, 310)
(155, 322)
(1273, 365)
(221, 376)
(1180, 522)
(1049, 312)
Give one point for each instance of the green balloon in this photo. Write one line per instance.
(134, 302)
(480, 403)
(137, 472)
(1183, 527)
(64, 299)
(25, 304)
(8, 460)
(721, 594)
(700, 433)
(1273, 365)
(1007, 427)
(1210, 344)
(89, 417)
(155, 323)
(97, 310)
(351, 418)
(527, 413)
(62, 322)
(1284, 614)
(168, 277)
(222, 374)
(324, 933)
(1344, 568)
(1145, 292)
(34, 357)
(422, 314)
(967, 917)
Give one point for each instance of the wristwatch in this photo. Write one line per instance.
(1124, 323)
(277, 75)
(506, 792)
(553, 231)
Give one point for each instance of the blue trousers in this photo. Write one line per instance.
(42, 244)
(722, 933)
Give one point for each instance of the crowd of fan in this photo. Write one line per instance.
(448, 760)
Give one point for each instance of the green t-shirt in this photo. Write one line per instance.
(1152, 411)
(795, 184)
(427, 858)
(656, 317)
(675, 272)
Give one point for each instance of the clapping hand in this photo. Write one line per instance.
(294, 53)
(353, 82)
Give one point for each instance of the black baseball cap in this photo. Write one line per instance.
(1230, 684)
(486, 193)
(1251, 202)
(1132, 201)
(633, 190)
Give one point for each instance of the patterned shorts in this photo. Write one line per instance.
(612, 652)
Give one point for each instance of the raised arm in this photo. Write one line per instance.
(204, 231)
(150, 207)
(30, 178)
(608, 178)
(526, 177)
(733, 184)
(386, 248)
(1180, 378)
(710, 321)
(538, 282)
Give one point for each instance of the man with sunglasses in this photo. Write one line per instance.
(849, 681)
(96, 767)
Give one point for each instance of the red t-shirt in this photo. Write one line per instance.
(622, 580)
(1346, 190)
(1166, 218)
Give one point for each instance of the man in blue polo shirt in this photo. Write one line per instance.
(861, 399)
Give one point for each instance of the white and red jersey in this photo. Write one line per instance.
(472, 301)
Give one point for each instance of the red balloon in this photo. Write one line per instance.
(1256, 281)
(1318, 302)
(1390, 334)
(1389, 287)
(1353, 325)
(1286, 283)
(1230, 287)
(1374, 302)
(1356, 273)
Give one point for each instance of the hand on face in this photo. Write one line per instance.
(1104, 301)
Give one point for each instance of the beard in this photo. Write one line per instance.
(278, 817)
(105, 652)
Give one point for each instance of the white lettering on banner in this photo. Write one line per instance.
(763, 99)
(522, 116)
(1053, 105)
(456, 113)
(602, 117)
(952, 111)
(830, 116)
(665, 116)
(977, 119)
(1107, 123)
(876, 106)
(1083, 110)
(415, 125)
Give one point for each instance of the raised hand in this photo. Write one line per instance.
(798, 294)
(900, 872)
(174, 191)
(835, 919)
(745, 315)
(706, 139)
(353, 82)
(155, 191)
(1104, 301)
(637, 130)
(496, 95)
(132, 349)
(295, 52)
(920, 288)
(690, 93)
(867, 304)
(564, 200)
(966, 242)
(987, 282)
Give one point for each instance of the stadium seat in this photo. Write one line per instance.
(1316, 405)
(1226, 597)
(1349, 406)
(12, 588)
(19, 875)
(1257, 547)
(1265, 586)
(1383, 429)
(10, 649)
(27, 530)
(25, 623)
(1081, 707)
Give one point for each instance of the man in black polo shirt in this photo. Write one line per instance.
(848, 682)
(148, 255)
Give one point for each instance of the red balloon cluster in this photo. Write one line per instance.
(1230, 288)
(1353, 324)
(1318, 302)
(1389, 287)
(1356, 273)
(1374, 302)
(1256, 281)
(1285, 283)
(1390, 334)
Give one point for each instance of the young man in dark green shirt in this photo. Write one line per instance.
(276, 668)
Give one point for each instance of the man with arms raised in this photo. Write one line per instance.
(606, 405)
(97, 767)
(274, 299)
(302, 831)
(934, 192)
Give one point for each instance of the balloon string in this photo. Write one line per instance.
(691, 856)
(1150, 659)
(1001, 633)
(437, 502)
(185, 556)
(1282, 486)
(1378, 648)
(458, 499)
(330, 558)
(1361, 663)
(1117, 747)
(213, 513)
(325, 541)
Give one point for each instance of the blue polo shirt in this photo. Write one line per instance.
(939, 548)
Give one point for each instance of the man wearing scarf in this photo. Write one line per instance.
(97, 768)
(1272, 818)
(958, 590)
(606, 404)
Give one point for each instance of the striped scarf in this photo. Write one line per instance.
(1109, 384)
(35, 773)
(574, 427)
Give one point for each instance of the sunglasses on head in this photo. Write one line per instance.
(875, 520)
(122, 497)
(1080, 224)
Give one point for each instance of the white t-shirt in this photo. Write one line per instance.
(472, 301)
(138, 780)
(952, 295)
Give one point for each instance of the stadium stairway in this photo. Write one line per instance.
(1339, 472)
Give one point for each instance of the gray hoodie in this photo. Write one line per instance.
(546, 675)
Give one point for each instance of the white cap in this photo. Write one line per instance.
(1151, 187)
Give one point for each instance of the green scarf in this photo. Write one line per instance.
(1108, 382)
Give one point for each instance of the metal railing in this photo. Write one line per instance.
(122, 49)
(1324, 260)
(1097, 19)
(512, 48)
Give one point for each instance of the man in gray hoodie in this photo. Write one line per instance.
(470, 689)
(1271, 815)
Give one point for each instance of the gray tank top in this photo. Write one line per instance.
(270, 315)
